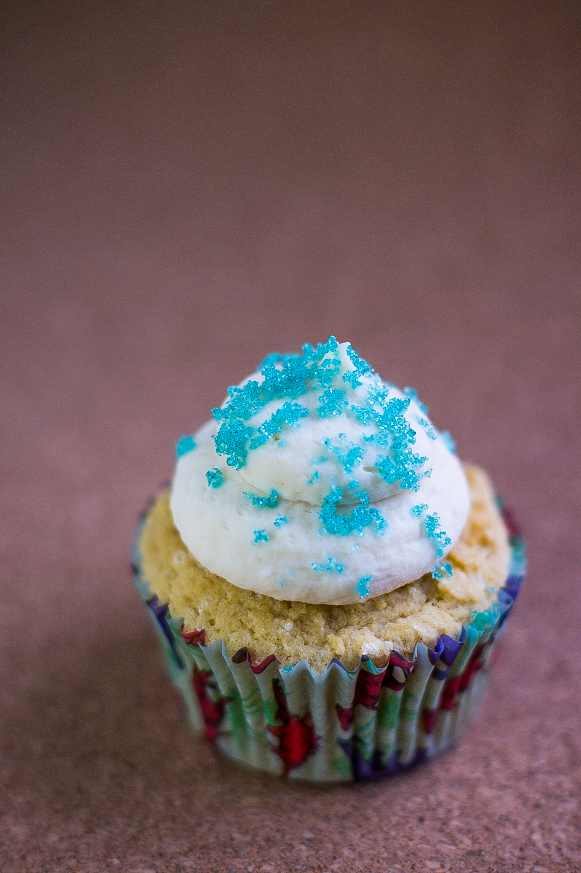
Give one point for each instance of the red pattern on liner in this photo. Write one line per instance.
(296, 736)
(196, 638)
(212, 710)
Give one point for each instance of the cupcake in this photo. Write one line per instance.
(327, 579)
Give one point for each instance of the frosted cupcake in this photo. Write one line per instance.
(327, 579)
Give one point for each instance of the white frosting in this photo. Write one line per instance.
(327, 472)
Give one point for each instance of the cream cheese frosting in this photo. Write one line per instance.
(316, 481)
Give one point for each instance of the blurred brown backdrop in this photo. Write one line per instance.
(186, 186)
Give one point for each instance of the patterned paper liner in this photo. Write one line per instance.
(341, 725)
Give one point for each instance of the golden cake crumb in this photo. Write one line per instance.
(417, 612)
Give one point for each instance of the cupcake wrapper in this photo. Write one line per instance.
(340, 725)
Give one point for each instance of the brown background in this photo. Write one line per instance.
(187, 186)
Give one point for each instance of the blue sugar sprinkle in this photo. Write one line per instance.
(274, 358)
(244, 402)
(287, 668)
(361, 495)
(184, 445)
(448, 440)
(263, 502)
(365, 416)
(285, 378)
(435, 533)
(402, 468)
(413, 395)
(418, 509)
(332, 402)
(281, 583)
(347, 453)
(215, 477)
(353, 548)
(361, 365)
(439, 571)
(312, 479)
(428, 427)
(332, 566)
(322, 349)
(231, 441)
(260, 536)
(351, 377)
(288, 415)
(328, 370)
(379, 394)
(362, 368)
(281, 519)
(363, 586)
(361, 515)
(377, 439)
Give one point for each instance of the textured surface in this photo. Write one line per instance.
(418, 612)
(185, 187)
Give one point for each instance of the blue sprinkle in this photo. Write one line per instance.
(378, 439)
(417, 510)
(231, 441)
(448, 440)
(361, 366)
(215, 477)
(365, 416)
(263, 502)
(332, 566)
(428, 427)
(287, 668)
(333, 402)
(353, 548)
(316, 475)
(440, 570)
(435, 533)
(413, 395)
(281, 519)
(274, 358)
(260, 536)
(402, 468)
(184, 445)
(347, 453)
(363, 586)
(351, 378)
(361, 515)
(281, 583)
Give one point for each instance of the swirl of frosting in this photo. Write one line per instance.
(316, 481)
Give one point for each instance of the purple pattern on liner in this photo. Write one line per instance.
(160, 611)
(368, 769)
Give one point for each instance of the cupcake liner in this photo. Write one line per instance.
(340, 725)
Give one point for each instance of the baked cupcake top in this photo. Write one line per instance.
(318, 482)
